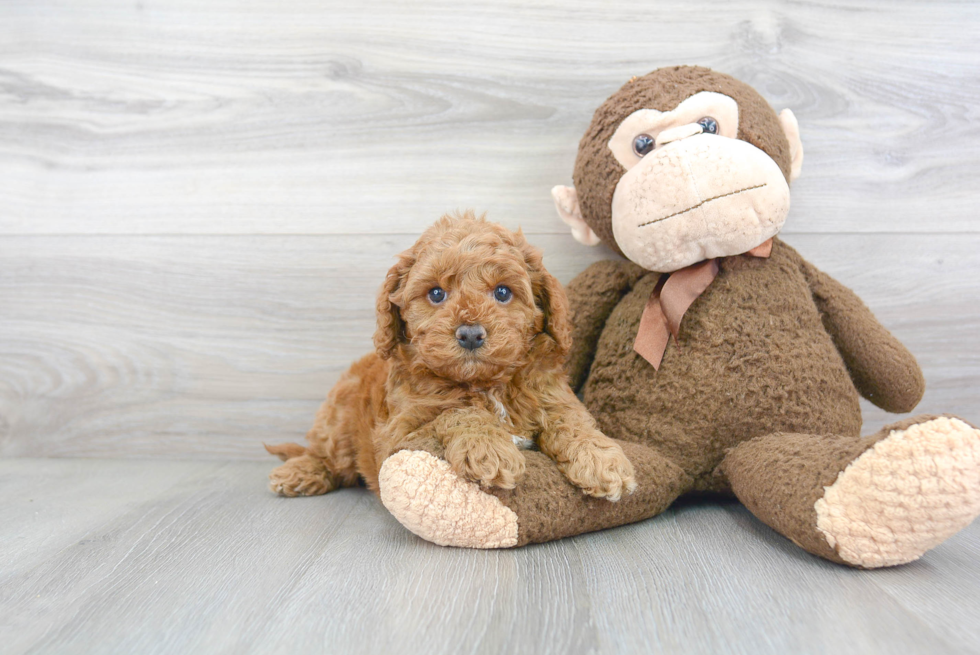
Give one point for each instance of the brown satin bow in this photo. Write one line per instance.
(671, 297)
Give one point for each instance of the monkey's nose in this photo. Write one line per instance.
(471, 336)
(678, 133)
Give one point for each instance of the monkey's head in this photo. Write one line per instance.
(681, 165)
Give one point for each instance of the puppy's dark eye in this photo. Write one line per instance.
(502, 293)
(708, 125)
(643, 144)
(436, 295)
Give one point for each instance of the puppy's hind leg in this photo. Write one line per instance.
(328, 462)
(321, 467)
(341, 437)
(303, 474)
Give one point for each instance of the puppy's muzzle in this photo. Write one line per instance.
(471, 337)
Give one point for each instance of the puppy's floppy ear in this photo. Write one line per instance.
(550, 297)
(391, 328)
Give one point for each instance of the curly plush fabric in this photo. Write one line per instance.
(423, 493)
(758, 398)
(758, 394)
(597, 172)
(752, 358)
(906, 494)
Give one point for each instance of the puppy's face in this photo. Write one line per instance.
(468, 301)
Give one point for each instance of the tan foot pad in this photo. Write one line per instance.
(906, 494)
(423, 493)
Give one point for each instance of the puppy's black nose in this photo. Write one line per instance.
(470, 336)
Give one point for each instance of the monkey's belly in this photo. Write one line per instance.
(753, 358)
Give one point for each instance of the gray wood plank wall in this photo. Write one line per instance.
(199, 200)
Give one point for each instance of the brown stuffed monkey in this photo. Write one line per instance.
(719, 358)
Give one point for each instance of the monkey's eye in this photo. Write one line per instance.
(436, 295)
(708, 125)
(502, 293)
(643, 144)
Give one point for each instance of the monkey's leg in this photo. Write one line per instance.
(423, 493)
(868, 502)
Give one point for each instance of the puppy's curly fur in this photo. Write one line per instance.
(423, 389)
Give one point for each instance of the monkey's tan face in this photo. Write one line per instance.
(692, 190)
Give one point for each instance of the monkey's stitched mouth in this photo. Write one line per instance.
(703, 202)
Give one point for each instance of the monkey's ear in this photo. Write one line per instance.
(566, 202)
(792, 130)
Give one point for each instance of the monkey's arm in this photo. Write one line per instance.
(882, 369)
(592, 296)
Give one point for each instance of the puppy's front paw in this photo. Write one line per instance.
(486, 459)
(601, 471)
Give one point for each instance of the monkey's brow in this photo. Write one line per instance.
(684, 211)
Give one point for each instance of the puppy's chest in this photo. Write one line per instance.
(521, 433)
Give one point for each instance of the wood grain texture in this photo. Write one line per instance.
(198, 202)
(329, 117)
(199, 557)
(208, 346)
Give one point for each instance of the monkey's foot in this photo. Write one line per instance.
(906, 494)
(428, 498)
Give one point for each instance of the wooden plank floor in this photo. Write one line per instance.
(122, 556)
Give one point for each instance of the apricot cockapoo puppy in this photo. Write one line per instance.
(471, 343)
